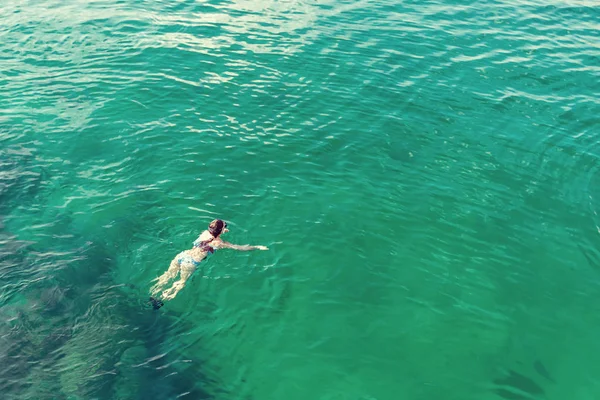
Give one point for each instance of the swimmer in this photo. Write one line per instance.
(185, 263)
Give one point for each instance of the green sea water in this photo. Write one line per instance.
(425, 175)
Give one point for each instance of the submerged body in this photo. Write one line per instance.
(186, 262)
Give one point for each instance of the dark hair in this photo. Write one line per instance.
(216, 227)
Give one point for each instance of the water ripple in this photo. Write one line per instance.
(416, 168)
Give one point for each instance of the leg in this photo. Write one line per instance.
(171, 273)
(184, 274)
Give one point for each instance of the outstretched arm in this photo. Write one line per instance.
(245, 247)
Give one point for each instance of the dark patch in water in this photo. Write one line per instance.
(35, 337)
(593, 263)
(165, 377)
(20, 180)
(27, 347)
(507, 394)
(517, 387)
(52, 299)
(78, 313)
(541, 369)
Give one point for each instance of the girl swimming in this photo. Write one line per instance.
(185, 263)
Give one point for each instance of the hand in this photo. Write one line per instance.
(261, 247)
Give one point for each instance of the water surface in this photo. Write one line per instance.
(424, 173)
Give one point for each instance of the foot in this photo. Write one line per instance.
(156, 304)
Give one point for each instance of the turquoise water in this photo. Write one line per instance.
(424, 173)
